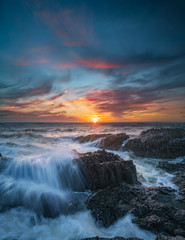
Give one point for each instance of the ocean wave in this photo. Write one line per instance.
(24, 224)
(20, 135)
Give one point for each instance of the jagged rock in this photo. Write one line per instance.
(90, 137)
(106, 141)
(3, 161)
(179, 170)
(179, 180)
(115, 238)
(101, 169)
(158, 143)
(164, 237)
(157, 209)
(172, 167)
(112, 142)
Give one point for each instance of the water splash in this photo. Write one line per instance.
(43, 183)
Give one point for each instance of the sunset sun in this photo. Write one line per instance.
(95, 119)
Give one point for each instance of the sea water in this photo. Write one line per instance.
(42, 191)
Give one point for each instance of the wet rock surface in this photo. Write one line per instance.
(112, 142)
(3, 162)
(106, 141)
(158, 143)
(90, 137)
(178, 169)
(179, 180)
(157, 209)
(115, 238)
(165, 237)
(172, 167)
(101, 169)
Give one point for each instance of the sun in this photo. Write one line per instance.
(95, 119)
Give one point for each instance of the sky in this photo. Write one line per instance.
(89, 60)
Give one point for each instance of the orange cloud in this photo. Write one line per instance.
(89, 63)
(24, 63)
(31, 62)
(97, 64)
(128, 72)
(65, 65)
(42, 61)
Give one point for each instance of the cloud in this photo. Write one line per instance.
(122, 101)
(65, 65)
(42, 116)
(31, 90)
(30, 62)
(89, 63)
(98, 64)
(73, 27)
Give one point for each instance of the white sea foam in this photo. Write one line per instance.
(41, 175)
(24, 225)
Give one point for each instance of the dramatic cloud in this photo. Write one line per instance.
(71, 26)
(90, 63)
(71, 60)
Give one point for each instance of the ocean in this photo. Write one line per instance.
(35, 153)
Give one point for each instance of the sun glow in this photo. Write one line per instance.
(95, 119)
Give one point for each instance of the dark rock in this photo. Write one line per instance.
(112, 142)
(3, 162)
(101, 169)
(115, 238)
(179, 170)
(90, 137)
(165, 237)
(179, 180)
(172, 167)
(106, 141)
(52, 206)
(158, 143)
(157, 209)
(70, 177)
(48, 204)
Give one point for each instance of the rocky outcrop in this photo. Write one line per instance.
(3, 161)
(90, 137)
(179, 180)
(172, 167)
(106, 141)
(164, 237)
(178, 169)
(159, 237)
(101, 169)
(115, 238)
(157, 209)
(158, 143)
(112, 142)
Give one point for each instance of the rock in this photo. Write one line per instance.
(3, 161)
(112, 142)
(179, 170)
(157, 209)
(158, 143)
(52, 206)
(90, 137)
(164, 237)
(179, 180)
(172, 167)
(106, 141)
(101, 169)
(115, 238)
